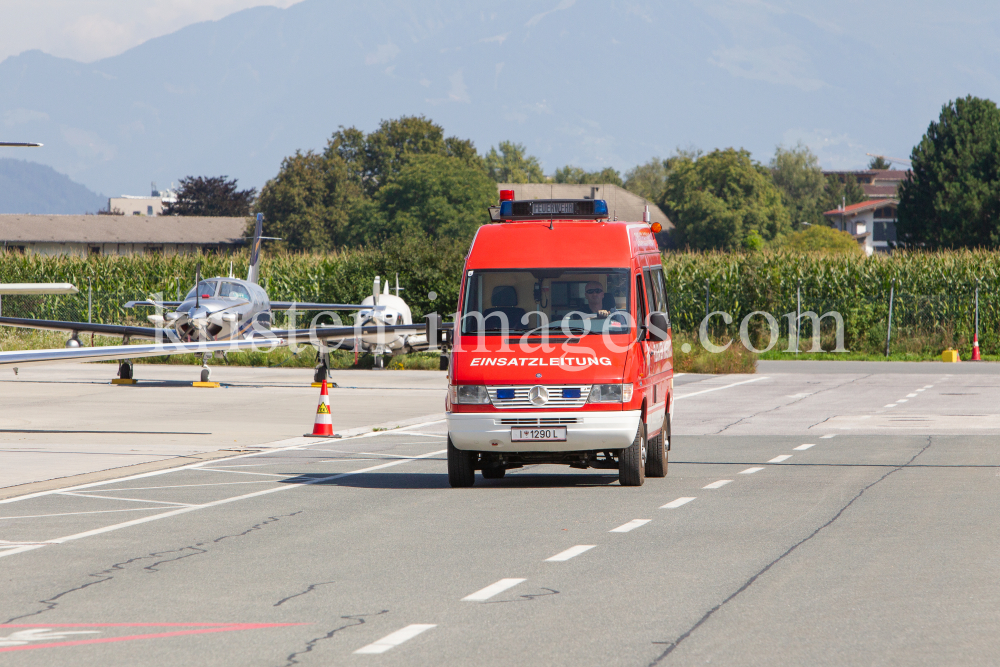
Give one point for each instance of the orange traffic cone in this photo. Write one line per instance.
(975, 347)
(323, 428)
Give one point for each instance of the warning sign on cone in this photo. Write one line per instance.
(323, 427)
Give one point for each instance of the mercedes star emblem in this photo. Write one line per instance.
(538, 395)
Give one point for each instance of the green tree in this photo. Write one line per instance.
(309, 203)
(798, 176)
(373, 159)
(647, 180)
(578, 176)
(211, 196)
(879, 162)
(511, 164)
(842, 189)
(952, 196)
(820, 238)
(436, 196)
(717, 200)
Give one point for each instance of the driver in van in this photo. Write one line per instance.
(595, 297)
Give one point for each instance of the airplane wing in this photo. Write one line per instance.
(335, 333)
(161, 304)
(304, 305)
(116, 352)
(83, 327)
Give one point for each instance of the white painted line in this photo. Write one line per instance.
(901, 400)
(44, 516)
(922, 389)
(215, 503)
(631, 525)
(779, 459)
(423, 435)
(244, 472)
(928, 386)
(196, 466)
(705, 391)
(674, 504)
(492, 589)
(890, 405)
(828, 436)
(750, 471)
(802, 448)
(184, 486)
(911, 395)
(395, 639)
(571, 552)
(717, 485)
(128, 500)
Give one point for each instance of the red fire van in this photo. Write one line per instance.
(562, 349)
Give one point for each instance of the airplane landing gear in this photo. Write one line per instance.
(206, 372)
(125, 370)
(379, 362)
(320, 373)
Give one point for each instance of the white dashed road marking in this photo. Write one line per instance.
(395, 639)
(911, 395)
(705, 391)
(717, 485)
(890, 405)
(802, 448)
(750, 471)
(631, 525)
(673, 504)
(492, 589)
(901, 400)
(572, 552)
(830, 435)
(779, 459)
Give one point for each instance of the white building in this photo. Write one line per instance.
(141, 204)
(872, 223)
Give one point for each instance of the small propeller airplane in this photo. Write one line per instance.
(224, 314)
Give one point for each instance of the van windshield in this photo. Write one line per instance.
(571, 301)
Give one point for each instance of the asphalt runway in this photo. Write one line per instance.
(807, 518)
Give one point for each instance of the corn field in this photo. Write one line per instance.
(933, 292)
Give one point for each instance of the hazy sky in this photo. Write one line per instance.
(88, 30)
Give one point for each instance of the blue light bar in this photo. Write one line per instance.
(554, 209)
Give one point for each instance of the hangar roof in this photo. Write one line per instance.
(121, 229)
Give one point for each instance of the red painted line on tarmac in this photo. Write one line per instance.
(201, 629)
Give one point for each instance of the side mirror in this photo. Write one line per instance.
(658, 325)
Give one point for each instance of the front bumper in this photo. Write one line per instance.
(588, 431)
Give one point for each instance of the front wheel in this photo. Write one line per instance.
(461, 466)
(632, 460)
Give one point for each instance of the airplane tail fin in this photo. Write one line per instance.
(254, 272)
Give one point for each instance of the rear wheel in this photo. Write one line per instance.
(461, 466)
(632, 460)
(656, 461)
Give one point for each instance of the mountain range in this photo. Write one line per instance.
(29, 187)
(577, 81)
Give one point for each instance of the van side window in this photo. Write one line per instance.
(660, 291)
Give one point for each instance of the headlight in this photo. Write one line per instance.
(610, 393)
(466, 394)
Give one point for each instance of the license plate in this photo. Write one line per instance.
(538, 434)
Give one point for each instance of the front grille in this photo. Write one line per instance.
(576, 398)
(535, 421)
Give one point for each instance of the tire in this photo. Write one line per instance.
(461, 467)
(319, 374)
(205, 374)
(125, 370)
(656, 461)
(494, 471)
(631, 463)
